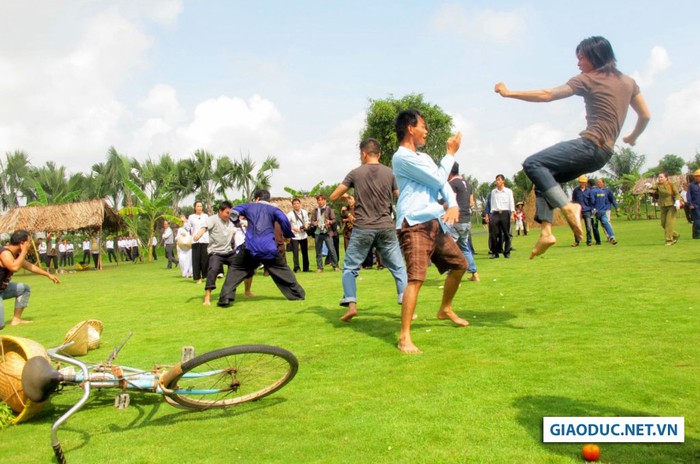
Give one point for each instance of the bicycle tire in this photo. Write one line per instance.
(234, 375)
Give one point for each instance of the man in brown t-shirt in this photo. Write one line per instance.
(607, 94)
(375, 187)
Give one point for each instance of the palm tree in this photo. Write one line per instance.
(247, 180)
(16, 173)
(623, 161)
(200, 170)
(108, 178)
(54, 187)
(151, 209)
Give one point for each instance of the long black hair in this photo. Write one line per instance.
(600, 53)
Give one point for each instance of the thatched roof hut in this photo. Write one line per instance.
(285, 203)
(643, 186)
(93, 214)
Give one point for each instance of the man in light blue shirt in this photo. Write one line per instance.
(422, 221)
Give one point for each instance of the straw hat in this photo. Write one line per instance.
(582, 179)
(697, 172)
(85, 336)
(14, 353)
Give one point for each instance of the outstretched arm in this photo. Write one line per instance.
(339, 191)
(537, 96)
(639, 105)
(36, 270)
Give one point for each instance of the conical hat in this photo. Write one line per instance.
(78, 334)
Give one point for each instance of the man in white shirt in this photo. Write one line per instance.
(502, 211)
(299, 218)
(169, 242)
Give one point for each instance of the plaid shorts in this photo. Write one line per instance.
(426, 242)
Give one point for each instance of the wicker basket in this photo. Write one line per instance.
(85, 336)
(14, 353)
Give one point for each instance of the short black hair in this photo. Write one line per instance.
(455, 169)
(295, 199)
(404, 119)
(599, 52)
(503, 178)
(370, 146)
(225, 205)
(262, 194)
(19, 236)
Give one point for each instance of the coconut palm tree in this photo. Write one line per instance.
(16, 172)
(151, 209)
(247, 180)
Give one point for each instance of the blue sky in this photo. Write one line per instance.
(293, 79)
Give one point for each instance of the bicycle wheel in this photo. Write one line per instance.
(230, 376)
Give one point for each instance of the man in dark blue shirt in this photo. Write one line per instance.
(260, 248)
(693, 198)
(603, 200)
(582, 196)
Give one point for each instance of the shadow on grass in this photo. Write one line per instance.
(531, 410)
(148, 407)
(382, 325)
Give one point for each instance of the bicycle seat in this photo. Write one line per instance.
(39, 379)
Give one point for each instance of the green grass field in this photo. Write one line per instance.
(588, 331)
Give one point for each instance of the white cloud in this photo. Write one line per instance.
(482, 25)
(658, 62)
(682, 113)
(162, 101)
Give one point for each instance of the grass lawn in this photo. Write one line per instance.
(588, 331)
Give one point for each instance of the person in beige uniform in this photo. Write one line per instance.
(607, 94)
(669, 200)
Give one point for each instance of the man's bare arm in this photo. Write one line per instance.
(639, 105)
(339, 192)
(536, 96)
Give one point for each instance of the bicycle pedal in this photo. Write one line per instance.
(187, 353)
(122, 400)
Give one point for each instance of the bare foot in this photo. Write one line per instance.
(572, 214)
(249, 295)
(207, 303)
(199, 281)
(347, 317)
(20, 322)
(449, 314)
(474, 277)
(543, 245)
(408, 347)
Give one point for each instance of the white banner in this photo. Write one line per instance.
(613, 430)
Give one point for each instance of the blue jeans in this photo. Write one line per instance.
(320, 239)
(460, 233)
(602, 217)
(695, 214)
(387, 244)
(19, 291)
(557, 164)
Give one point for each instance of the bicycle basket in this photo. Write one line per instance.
(14, 353)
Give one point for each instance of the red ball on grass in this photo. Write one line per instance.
(590, 452)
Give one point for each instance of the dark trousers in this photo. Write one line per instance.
(110, 253)
(69, 258)
(170, 255)
(216, 263)
(153, 253)
(86, 257)
(328, 240)
(200, 260)
(95, 259)
(499, 234)
(244, 265)
(302, 245)
(64, 259)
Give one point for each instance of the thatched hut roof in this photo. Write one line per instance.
(70, 216)
(285, 203)
(643, 186)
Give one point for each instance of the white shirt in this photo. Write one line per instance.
(299, 219)
(196, 222)
(42, 248)
(502, 200)
(86, 245)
